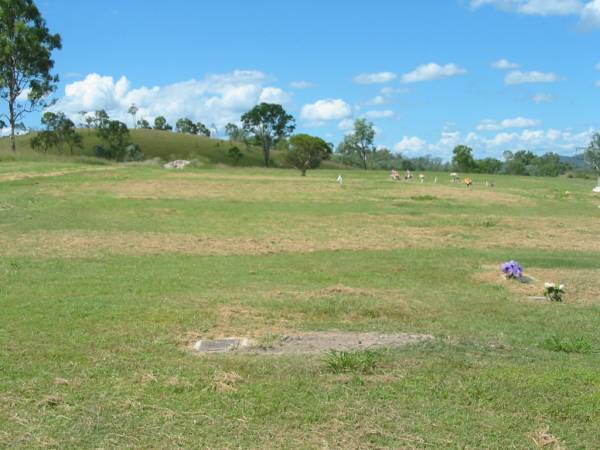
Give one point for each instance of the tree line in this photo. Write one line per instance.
(26, 82)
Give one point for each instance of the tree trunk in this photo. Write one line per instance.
(267, 154)
(12, 120)
(303, 172)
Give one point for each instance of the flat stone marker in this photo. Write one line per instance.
(220, 345)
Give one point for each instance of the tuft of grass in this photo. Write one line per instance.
(423, 198)
(360, 361)
(567, 345)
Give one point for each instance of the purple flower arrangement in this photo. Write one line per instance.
(512, 269)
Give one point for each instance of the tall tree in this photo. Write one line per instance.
(463, 160)
(26, 47)
(133, 110)
(268, 122)
(306, 152)
(358, 145)
(592, 154)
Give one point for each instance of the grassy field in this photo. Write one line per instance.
(109, 273)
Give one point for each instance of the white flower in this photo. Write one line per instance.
(548, 285)
(561, 287)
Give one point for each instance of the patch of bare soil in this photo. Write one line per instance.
(317, 342)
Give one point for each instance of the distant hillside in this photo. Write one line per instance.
(577, 162)
(165, 145)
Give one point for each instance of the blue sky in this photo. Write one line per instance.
(421, 70)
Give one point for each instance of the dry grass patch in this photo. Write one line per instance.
(14, 176)
(543, 439)
(227, 381)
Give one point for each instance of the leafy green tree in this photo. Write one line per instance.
(235, 155)
(143, 124)
(592, 154)
(26, 47)
(463, 160)
(521, 163)
(116, 144)
(185, 125)
(160, 123)
(489, 165)
(202, 129)
(59, 132)
(97, 120)
(357, 147)
(306, 152)
(268, 123)
(548, 165)
(133, 110)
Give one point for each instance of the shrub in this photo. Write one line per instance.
(567, 345)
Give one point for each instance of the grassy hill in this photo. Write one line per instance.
(159, 144)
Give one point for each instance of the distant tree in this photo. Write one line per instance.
(59, 132)
(521, 163)
(160, 123)
(98, 119)
(235, 133)
(235, 155)
(143, 124)
(268, 122)
(488, 165)
(548, 165)
(115, 142)
(358, 146)
(82, 116)
(592, 154)
(463, 160)
(306, 152)
(133, 110)
(26, 47)
(202, 129)
(185, 125)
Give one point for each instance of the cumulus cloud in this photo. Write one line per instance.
(432, 71)
(326, 110)
(590, 15)
(217, 98)
(379, 114)
(542, 98)
(517, 122)
(504, 64)
(534, 7)
(346, 124)
(302, 84)
(410, 144)
(518, 77)
(374, 78)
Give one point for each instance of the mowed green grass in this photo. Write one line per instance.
(109, 273)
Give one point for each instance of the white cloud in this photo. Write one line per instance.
(374, 78)
(325, 110)
(346, 124)
(542, 98)
(517, 122)
(534, 7)
(302, 84)
(379, 114)
(598, 84)
(410, 145)
(518, 77)
(504, 64)
(590, 15)
(377, 100)
(432, 71)
(217, 98)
